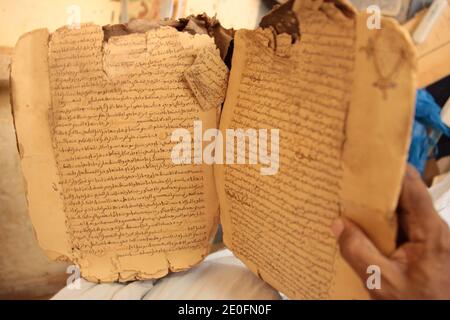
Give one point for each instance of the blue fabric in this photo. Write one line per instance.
(420, 144)
(428, 112)
(428, 116)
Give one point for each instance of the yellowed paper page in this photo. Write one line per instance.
(342, 97)
(30, 90)
(433, 54)
(122, 209)
(208, 79)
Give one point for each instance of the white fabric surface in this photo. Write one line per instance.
(440, 193)
(220, 276)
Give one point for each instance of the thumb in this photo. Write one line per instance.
(356, 248)
(417, 216)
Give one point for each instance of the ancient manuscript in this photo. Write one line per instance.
(94, 121)
(342, 97)
(323, 103)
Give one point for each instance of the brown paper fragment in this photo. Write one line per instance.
(388, 7)
(194, 24)
(31, 101)
(282, 19)
(208, 78)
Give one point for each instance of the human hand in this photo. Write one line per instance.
(420, 267)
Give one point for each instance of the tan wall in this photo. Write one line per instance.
(25, 272)
(20, 16)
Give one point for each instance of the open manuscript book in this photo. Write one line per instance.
(96, 109)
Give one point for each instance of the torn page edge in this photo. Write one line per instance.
(194, 24)
(30, 101)
(208, 78)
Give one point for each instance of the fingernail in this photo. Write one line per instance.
(337, 227)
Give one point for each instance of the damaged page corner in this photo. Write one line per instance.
(30, 101)
(82, 75)
(208, 78)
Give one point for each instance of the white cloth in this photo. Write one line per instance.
(220, 276)
(440, 193)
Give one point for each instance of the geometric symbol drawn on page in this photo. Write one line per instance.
(385, 70)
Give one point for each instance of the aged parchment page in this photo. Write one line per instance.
(433, 54)
(342, 97)
(94, 122)
(29, 77)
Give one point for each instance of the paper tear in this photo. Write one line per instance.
(282, 19)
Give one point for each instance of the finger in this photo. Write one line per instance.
(357, 249)
(417, 216)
